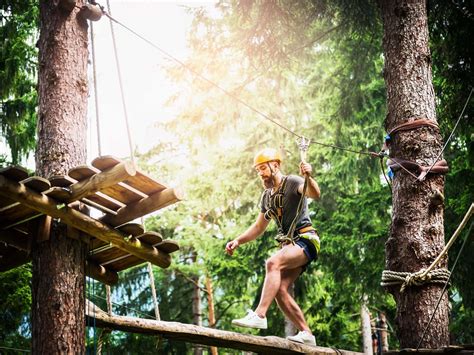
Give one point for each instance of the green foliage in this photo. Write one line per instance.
(18, 65)
(15, 301)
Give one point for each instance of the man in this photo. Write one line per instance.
(280, 202)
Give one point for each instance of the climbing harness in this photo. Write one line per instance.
(277, 212)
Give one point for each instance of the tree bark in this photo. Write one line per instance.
(417, 233)
(58, 320)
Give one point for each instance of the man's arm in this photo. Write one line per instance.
(312, 190)
(250, 234)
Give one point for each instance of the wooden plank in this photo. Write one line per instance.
(103, 257)
(103, 203)
(139, 181)
(76, 219)
(124, 263)
(208, 336)
(15, 173)
(15, 238)
(133, 229)
(101, 273)
(11, 257)
(143, 207)
(82, 172)
(15, 215)
(37, 183)
(61, 180)
(168, 246)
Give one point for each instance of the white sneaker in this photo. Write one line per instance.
(303, 337)
(251, 320)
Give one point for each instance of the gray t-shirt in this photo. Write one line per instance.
(291, 198)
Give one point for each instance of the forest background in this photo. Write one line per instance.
(315, 67)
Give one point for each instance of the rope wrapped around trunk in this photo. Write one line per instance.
(405, 279)
(440, 167)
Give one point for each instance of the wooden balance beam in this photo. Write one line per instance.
(203, 335)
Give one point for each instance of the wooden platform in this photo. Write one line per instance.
(206, 336)
(113, 187)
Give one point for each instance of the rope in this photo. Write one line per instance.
(392, 278)
(444, 288)
(405, 279)
(96, 95)
(119, 73)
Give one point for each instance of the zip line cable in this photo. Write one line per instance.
(228, 93)
(452, 132)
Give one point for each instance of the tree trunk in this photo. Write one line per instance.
(417, 232)
(196, 304)
(58, 318)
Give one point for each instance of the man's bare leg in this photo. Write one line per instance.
(287, 303)
(290, 256)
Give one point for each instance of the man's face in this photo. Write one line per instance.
(265, 174)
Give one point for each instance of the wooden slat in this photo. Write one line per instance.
(143, 207)
(11, 257)
(133, 229)
(82, 172)
(104, 256)
(17, 214)
(15, 173)
(15, 238)
(139, 181)
(125, 263)
(37, 183)
(168, 246)
(105, 201)
(100, 273)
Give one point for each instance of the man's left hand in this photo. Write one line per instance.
(306, 168)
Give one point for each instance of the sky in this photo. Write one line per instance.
(146, 87)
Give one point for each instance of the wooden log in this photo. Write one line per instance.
(101, 181)
(78, 220)
(207, 336)
(100, 273)
(143, 207)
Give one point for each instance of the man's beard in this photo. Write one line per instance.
(268, 183)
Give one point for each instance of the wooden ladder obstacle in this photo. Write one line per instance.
(111, 186)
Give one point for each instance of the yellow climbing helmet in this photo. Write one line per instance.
(266, 155)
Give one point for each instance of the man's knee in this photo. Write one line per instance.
(272, 264)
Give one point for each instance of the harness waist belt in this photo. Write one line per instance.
(306, 229)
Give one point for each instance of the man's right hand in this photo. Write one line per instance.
(231, 246)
